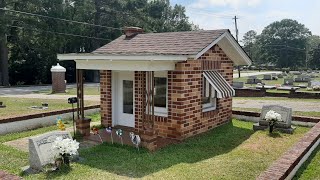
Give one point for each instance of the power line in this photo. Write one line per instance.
(59, 33)
(221, 15)
(61, 19)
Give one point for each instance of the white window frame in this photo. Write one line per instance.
(161, 111)
(212, 105)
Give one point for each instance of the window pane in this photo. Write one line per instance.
(160, 92)
(127, 97)
(207, 91)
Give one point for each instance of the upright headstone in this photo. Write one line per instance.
(288, 82)
(238, 84)
(284, 125)
(40, 149)
(267, 77)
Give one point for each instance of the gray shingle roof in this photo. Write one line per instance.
(171, 43)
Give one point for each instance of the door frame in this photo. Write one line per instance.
(116, 94)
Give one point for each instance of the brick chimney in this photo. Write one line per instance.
(130, 32)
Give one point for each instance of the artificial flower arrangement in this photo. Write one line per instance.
(316, 88)
(272, 117)
(64, 149)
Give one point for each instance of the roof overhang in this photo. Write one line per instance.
(92, 56)
(231, 47)
(124, 62)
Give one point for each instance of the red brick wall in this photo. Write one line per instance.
(185, 116)
(220, 62)
(106, 97)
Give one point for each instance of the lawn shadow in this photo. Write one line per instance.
(64, 170)
(127, 161)
(274, 135)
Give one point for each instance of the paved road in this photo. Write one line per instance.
(306, 106)
(31, 89)
(248, 73)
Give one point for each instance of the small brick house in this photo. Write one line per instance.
(170, 85)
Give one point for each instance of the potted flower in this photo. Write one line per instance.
(64, 149)
(272, 117)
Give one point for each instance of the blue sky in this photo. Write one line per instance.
(253, 14)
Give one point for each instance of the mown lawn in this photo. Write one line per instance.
(21, 106)
(73, 91)
(231, 151)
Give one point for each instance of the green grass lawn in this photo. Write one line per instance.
(73, 91)
(21, 106)
(231, 151)
(311, 168)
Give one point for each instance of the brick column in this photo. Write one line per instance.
(139, 77)
(106, 97)
(184, 90)
(83, 126)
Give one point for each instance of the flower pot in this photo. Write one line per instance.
(66, 159)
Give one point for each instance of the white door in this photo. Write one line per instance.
(124, 99)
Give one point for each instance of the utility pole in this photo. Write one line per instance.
(237, 34)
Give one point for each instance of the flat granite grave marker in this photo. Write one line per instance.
(40, 149)
(283, 126)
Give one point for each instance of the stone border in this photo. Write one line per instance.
(253, 115)
(44, 114)
(288, 164)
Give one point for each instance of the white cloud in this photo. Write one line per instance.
(235, 4)
(217, 14)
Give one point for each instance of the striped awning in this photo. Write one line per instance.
(222, 87)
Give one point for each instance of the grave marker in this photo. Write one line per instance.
(284, 125)
(40, 149)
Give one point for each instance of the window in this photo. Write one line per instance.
(127, 97)
(208, 96)
(160, 92)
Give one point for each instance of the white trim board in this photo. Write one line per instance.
(126, 65)
(89, 56)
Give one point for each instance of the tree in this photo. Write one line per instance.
(315, 57)
(249, 44)
(34, 42)
(312, 44)
(4, 74)
(283, 43)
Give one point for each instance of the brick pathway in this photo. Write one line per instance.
(5, 176)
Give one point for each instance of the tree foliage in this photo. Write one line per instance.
(282, 43)
(33, 41)
(249, 41)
